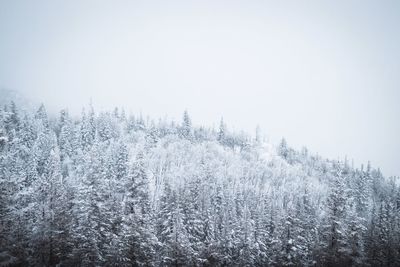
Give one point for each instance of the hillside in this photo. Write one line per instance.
(109, 189)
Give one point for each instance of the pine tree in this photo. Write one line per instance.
(88, 129)
(334, 230)
(283, 149)
(92, 221)
(170, 230)
(47, 205)
(138, 231)
(186, 128)
(221, 131)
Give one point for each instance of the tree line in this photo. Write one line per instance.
(108, 189)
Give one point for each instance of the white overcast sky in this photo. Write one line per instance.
(324, 74)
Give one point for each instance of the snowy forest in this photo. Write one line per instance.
(115, 189)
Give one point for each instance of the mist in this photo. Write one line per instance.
(321, 74)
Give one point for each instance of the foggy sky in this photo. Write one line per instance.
(324, 74)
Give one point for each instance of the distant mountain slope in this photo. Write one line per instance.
(8, 95)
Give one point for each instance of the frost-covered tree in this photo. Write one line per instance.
(186, 128)
(139, 236)
(106, 189)
(221, 131)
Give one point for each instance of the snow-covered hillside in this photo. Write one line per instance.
(109, 189)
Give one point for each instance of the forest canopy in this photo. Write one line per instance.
(111, 189)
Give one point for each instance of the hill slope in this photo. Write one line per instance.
(107, 189)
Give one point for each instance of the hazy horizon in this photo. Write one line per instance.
(322, 75)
